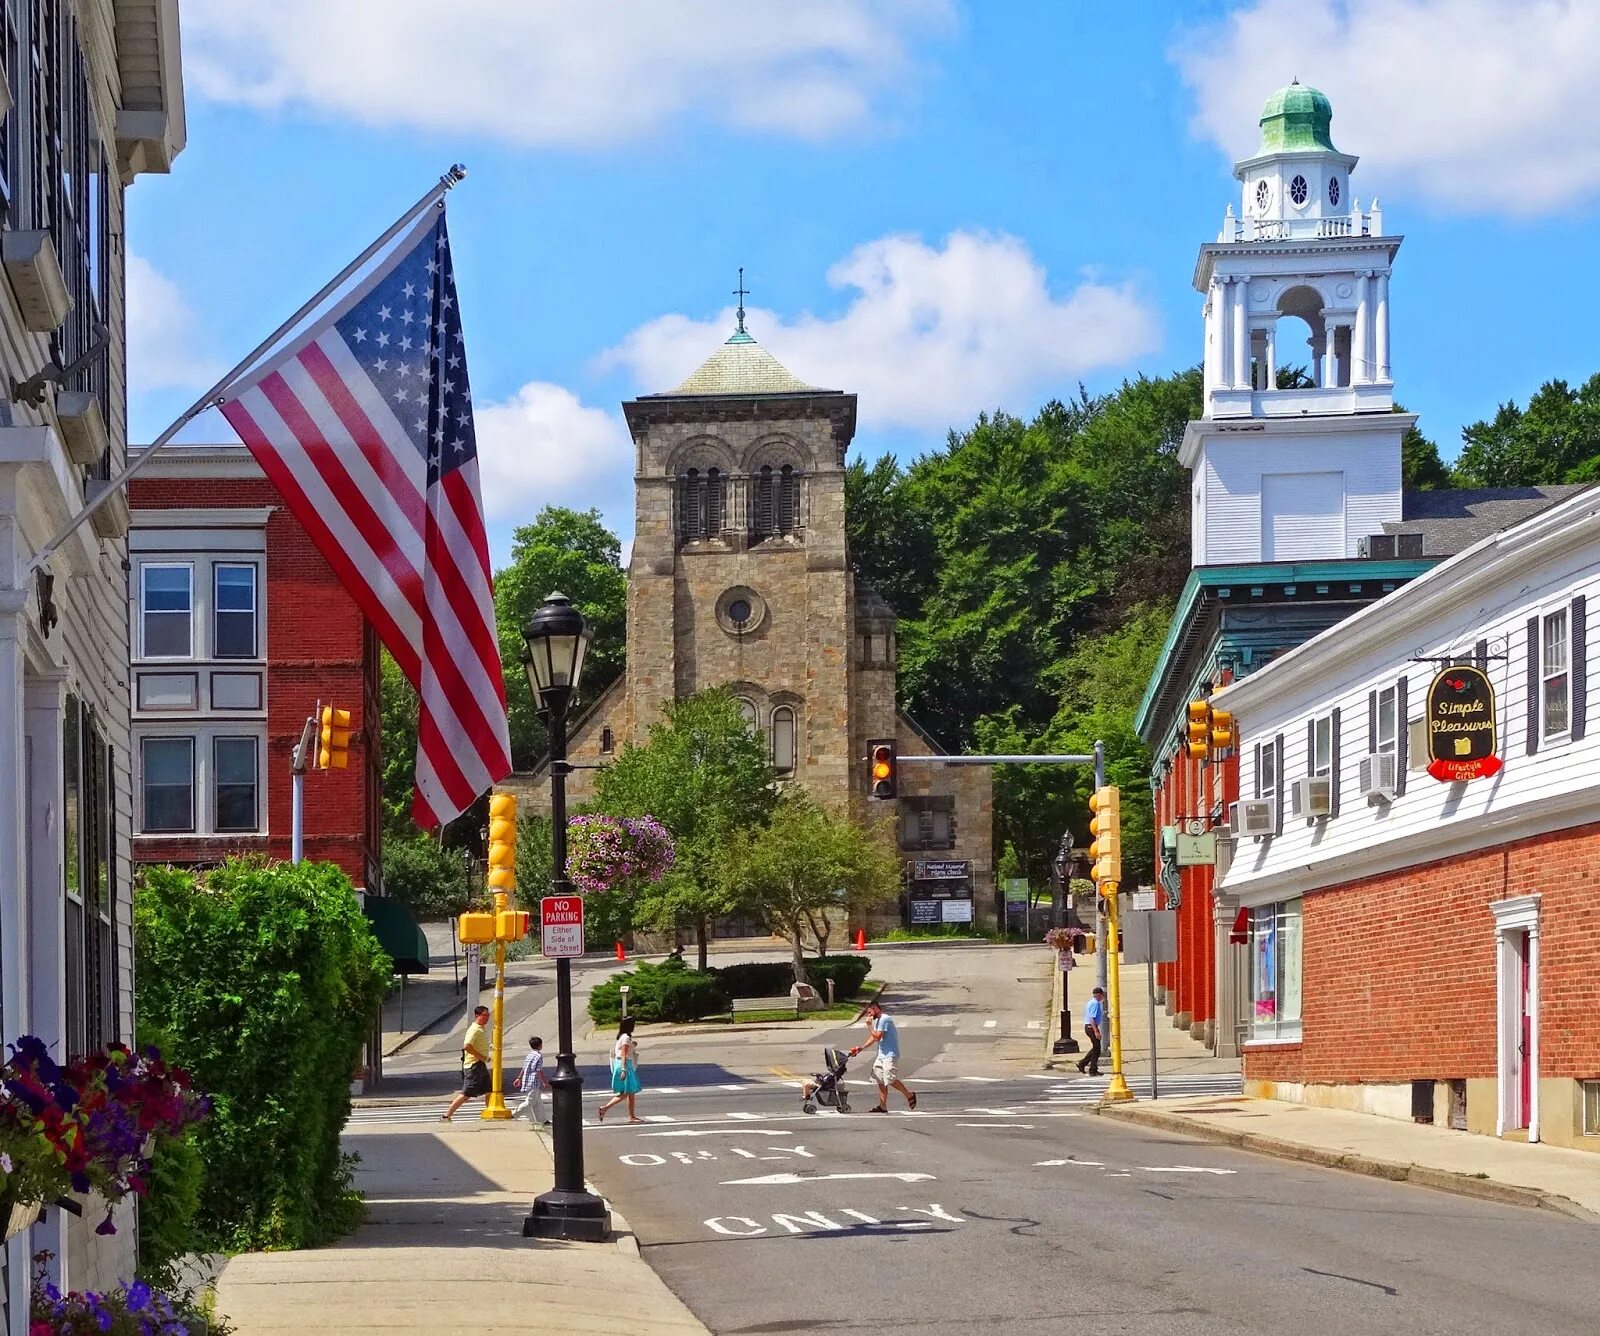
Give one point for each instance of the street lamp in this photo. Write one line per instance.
(556, 639)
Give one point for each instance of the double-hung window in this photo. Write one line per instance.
(1555, 690)
(1386, 735)
(1266, 770)
(234, 784)
(166, 610)
(1275, 938)
(234, 611)
(1320, 762)
(167, 783)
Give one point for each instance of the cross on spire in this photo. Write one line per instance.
(741, 292)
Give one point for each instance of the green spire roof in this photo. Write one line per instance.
(1295, 120)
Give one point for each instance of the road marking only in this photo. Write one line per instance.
(776, 1180)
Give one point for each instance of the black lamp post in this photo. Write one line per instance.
(556, 639)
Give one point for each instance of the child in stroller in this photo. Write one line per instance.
(825, 1088)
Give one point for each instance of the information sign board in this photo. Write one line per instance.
(561, 926)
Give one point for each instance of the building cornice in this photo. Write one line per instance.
(1199, 431)
(202, 517)
(1460, 579)
(1335, 248)
(836, 406)
(198, 461)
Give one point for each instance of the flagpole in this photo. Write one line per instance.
(211, 397)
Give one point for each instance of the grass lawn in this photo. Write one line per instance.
(840, 1011)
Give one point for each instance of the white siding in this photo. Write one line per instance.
(1556, 786)
(1302, 516)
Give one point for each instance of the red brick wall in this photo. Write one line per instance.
(1399, 970)
(317, 649)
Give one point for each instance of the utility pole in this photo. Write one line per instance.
(297, 765)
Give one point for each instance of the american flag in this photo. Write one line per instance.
(364, 423)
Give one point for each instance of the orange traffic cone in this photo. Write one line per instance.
(621, 954)
(861, 939)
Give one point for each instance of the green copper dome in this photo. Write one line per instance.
(1295, 120)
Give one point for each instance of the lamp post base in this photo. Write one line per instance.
(579, 1216)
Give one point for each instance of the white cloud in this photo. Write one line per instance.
(543, 446)
(165, 349)
(561, 72)
(1480, 105)
(933, 336)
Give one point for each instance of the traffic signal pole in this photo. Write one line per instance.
(501, 876)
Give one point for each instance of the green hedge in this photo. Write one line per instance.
(760, 978)
(847, 972)
(670, 991)
(267, 979)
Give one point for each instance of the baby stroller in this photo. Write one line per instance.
(826, 1088)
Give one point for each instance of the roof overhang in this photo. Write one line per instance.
(151, 125)
(1200, 432)
(1323, 249)
(836, 406)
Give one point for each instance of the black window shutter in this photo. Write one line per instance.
(1311, 746)
(1333, 766)
(1480, 655)
(1259, 750)
(1277, 774)
(1532, 743)
(1402, 742)
(1372, 721)
(1580, 676)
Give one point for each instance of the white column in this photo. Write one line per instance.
(1330, 357)
(1361, 369)
(1241, 334)
(1533, 1031)
(13, 815)
(1216, 326)
(1380, 327)
(1271, 349)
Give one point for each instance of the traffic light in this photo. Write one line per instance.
(476, 929)
(1105, 850)
(334, 751)
(511, 925)
(883, 781)
(1199, 734)
(502, 876)
(1222, 735)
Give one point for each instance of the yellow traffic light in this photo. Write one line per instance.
(1105, 826)
(1199, 731)
(334, 750)
(1222, 734)
(883, 782)
(502, 874)
(476, 929)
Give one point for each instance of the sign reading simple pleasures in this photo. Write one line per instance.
(561, 926)
(1461, 732)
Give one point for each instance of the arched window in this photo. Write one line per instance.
(748, 709)
(777, 508)
(608, 742)
(783, 740)
(702, 496)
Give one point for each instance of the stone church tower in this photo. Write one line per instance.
(740, 578)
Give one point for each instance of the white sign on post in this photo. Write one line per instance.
(561, 926)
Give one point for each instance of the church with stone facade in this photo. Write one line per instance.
(741, 578)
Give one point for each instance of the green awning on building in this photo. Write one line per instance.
(397, 933)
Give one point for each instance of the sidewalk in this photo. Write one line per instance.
(425, 998)
(442, 1251)
(1435, 1157)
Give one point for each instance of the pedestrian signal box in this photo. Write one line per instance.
(883, 782)
(511, 925)
(476, 929)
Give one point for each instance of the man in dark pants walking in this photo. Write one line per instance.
(1094, 1019)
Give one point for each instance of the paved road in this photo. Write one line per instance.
(1006, 1203)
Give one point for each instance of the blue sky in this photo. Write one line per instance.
(942, 205)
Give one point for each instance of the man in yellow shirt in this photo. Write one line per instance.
(475, 1063)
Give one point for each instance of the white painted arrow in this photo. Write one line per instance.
(1182, 1169)
(1051, 1164)
(774, 1180)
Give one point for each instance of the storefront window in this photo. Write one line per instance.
(1275, 971)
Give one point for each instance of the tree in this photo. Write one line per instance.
(571, 551)
(1555, 439)
(398, 709)
(704, 776)
(429, 878)
(1421, 469)
(806, 869)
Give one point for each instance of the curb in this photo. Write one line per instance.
(423, 1029)
(1444, 1180)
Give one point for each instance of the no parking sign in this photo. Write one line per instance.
(561, 926)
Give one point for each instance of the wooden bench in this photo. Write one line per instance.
(747, 1004)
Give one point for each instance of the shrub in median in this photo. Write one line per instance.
(670, 991)
(761, 978)
(847, 972)
(266, 979)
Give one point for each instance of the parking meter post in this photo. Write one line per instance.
(624, 991)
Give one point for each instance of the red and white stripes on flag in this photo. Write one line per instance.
(364, 424)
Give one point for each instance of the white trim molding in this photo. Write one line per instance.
(1512, 917)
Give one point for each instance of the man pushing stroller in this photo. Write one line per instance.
(883, 1033)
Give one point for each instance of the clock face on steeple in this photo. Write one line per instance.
(1263, 196)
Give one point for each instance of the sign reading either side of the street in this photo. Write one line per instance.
(561, 926)
(1461, 731)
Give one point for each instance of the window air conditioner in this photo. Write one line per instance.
(1378, 770)
(1313, 796)
(1253, 816)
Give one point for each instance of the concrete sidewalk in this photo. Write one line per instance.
(1436, 1157)
(442, 1251)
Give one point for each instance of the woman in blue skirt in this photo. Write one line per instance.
(624, 1072)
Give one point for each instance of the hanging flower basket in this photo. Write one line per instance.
(607, 853)
(19, 1215)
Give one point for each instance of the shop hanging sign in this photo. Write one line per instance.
(1461, 731)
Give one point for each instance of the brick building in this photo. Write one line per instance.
(740, 577)
(1423, 945)
(1299, 516)
(239, 627)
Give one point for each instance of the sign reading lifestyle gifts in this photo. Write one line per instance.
(1461, 731)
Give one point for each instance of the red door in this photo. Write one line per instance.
(1524, 1036)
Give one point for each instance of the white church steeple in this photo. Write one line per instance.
(1296, 291)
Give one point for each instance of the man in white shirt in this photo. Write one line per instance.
(531, 1081)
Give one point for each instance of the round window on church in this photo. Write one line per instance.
(1263, 196)
(741, 611)
(1333, 190)
(1298, 190)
